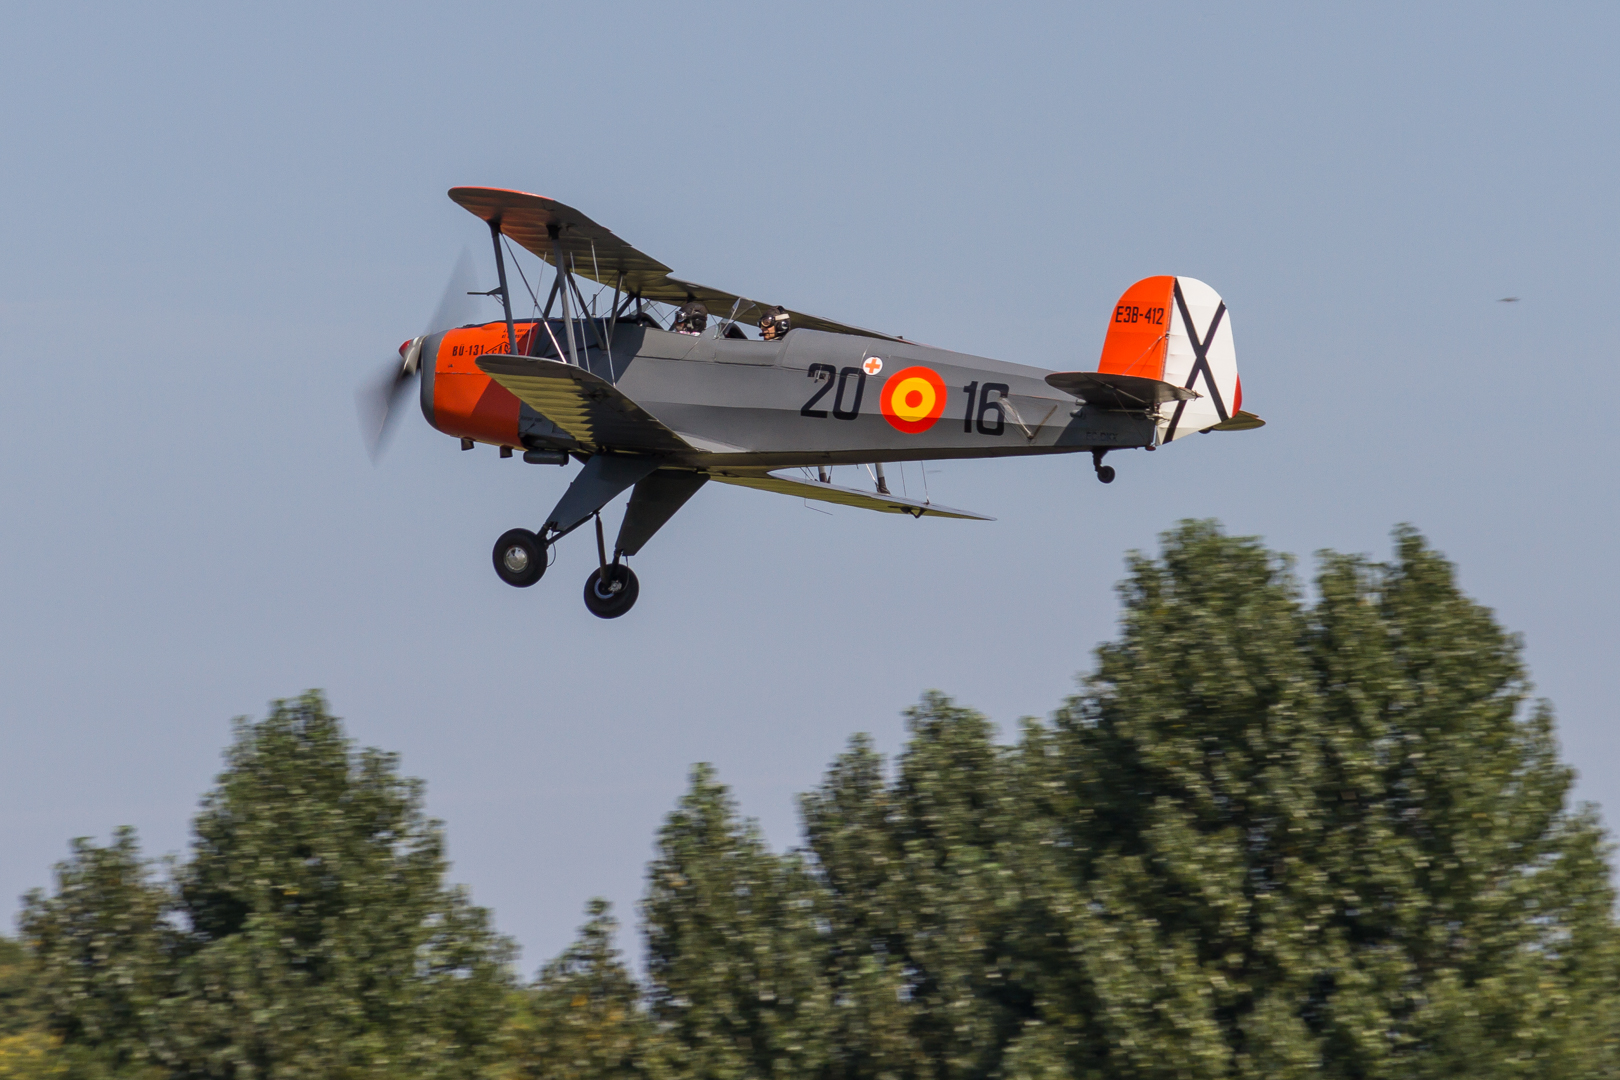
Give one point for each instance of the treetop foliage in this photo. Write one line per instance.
(309, 934)
(1267, 838)
(1270, 836)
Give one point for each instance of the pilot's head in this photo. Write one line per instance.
(774, 325)
(692, 318)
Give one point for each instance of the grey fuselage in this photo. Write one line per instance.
(809, 399)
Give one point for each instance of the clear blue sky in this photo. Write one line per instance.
(217, 219)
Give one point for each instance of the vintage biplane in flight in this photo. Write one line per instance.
(661, 406)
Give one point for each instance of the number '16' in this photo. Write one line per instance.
(986, 405)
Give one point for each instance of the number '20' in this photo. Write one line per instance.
(828, 373)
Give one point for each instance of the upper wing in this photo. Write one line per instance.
(594, 252)
(811, 489)
(591, 410)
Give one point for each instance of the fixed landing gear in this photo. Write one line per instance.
(1105, 473)
(611, 591)
(520, 558)
(656, 493)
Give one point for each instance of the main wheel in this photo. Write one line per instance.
(610, 595)
(1105, 473)
(520, 558)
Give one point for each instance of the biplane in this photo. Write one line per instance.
(663, 385)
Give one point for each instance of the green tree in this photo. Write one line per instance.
(733, 949)
(102, 953)
(310, 934)
(27, 1050)
(859, 859)
(1326, 841)
(927, 886)
(1267, 839)
(1470, 911)
(323, 939)
(582, 1018)
(19, 1009)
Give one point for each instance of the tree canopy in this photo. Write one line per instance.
(1273, 834)
(309, 934)
(1268, 838)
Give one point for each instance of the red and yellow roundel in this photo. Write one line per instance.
(913, 399)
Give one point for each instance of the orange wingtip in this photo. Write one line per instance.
(490, 203)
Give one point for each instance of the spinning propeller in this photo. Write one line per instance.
(378, 399)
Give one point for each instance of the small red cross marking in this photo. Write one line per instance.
(873, 365)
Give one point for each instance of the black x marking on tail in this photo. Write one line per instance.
(1200, 360)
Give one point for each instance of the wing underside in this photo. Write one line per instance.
(812, 489)
(594, 252)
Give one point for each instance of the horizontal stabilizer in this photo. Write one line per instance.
(589, 408)
(1241, 421)
(1107, 390)
(813, 489)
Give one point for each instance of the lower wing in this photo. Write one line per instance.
(813, 489)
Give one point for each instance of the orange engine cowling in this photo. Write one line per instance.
(461, 400)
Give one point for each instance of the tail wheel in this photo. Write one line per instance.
(520, 558)
(611, 591)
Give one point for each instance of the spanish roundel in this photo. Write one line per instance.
(913, 399)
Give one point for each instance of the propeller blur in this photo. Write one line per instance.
(378, 399)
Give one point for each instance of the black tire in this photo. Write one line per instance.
(520, 558)
(613, 596)
(1105, 473)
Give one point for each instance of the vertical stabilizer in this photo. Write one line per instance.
(1177, 330)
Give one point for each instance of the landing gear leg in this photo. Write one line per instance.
(612, 588)
(1105, 473)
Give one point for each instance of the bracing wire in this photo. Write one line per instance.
(533, 297)
(521, 275)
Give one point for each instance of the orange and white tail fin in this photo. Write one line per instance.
(1177, 330)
